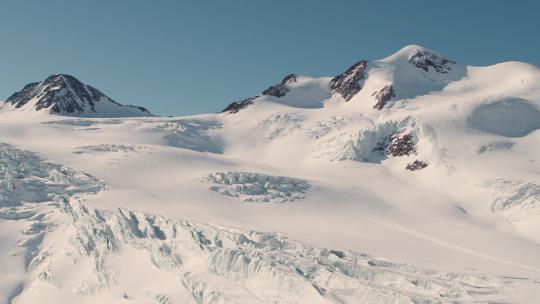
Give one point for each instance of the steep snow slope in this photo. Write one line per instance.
(413, 159)
(65, 95)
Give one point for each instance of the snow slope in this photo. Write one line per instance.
(410, 179)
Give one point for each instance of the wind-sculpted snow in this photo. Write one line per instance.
(26, 178)
(324, 127)
(509, 118)
(496, 147)
(517, 200)
(256, 187)
(279, 124)
(190, 134)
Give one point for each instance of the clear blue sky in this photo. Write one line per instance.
(188, 57)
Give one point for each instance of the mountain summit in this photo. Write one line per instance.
(65, 95)
(408, 73)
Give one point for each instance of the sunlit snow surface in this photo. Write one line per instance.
(436, 183)
(206, 263)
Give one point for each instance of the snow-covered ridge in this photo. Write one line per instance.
(65, 95)
(412, 71)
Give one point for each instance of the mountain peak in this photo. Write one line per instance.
(64, 94)
(408, 51)
(422, 58)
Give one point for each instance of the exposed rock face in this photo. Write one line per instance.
(290, 79)
(350, 82)
(62, 94)
(236, 106)
(281, 89)
(416, 165)
(23, 96)
(425, 60)
(383, 96)
(278, 90)
(401, 143)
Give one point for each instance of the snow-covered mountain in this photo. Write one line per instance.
(409, 179)
(411, 72)
(65, 95)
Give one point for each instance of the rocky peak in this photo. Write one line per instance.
(289, 79)
(281, 89)
(60, 93)
(236, 106)
(63, 94)
(426, 60)
(349, 82)
(278, 90)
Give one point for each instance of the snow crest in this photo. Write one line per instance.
(190, 134)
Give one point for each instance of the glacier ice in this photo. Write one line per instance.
(515, 199)
(213, 263)
(374, 144)
(26, 178)
(190, 134)
(256, 187)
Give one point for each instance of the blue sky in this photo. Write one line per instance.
(188, 57)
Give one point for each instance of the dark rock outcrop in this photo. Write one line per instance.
(383, 96)
(416, 165)
(290, 79)
(349, 82)
(20, 98)
(425, 60)
(281, 89)
(278, 90)
(401, 143)
(236, 106)
(62, 94)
